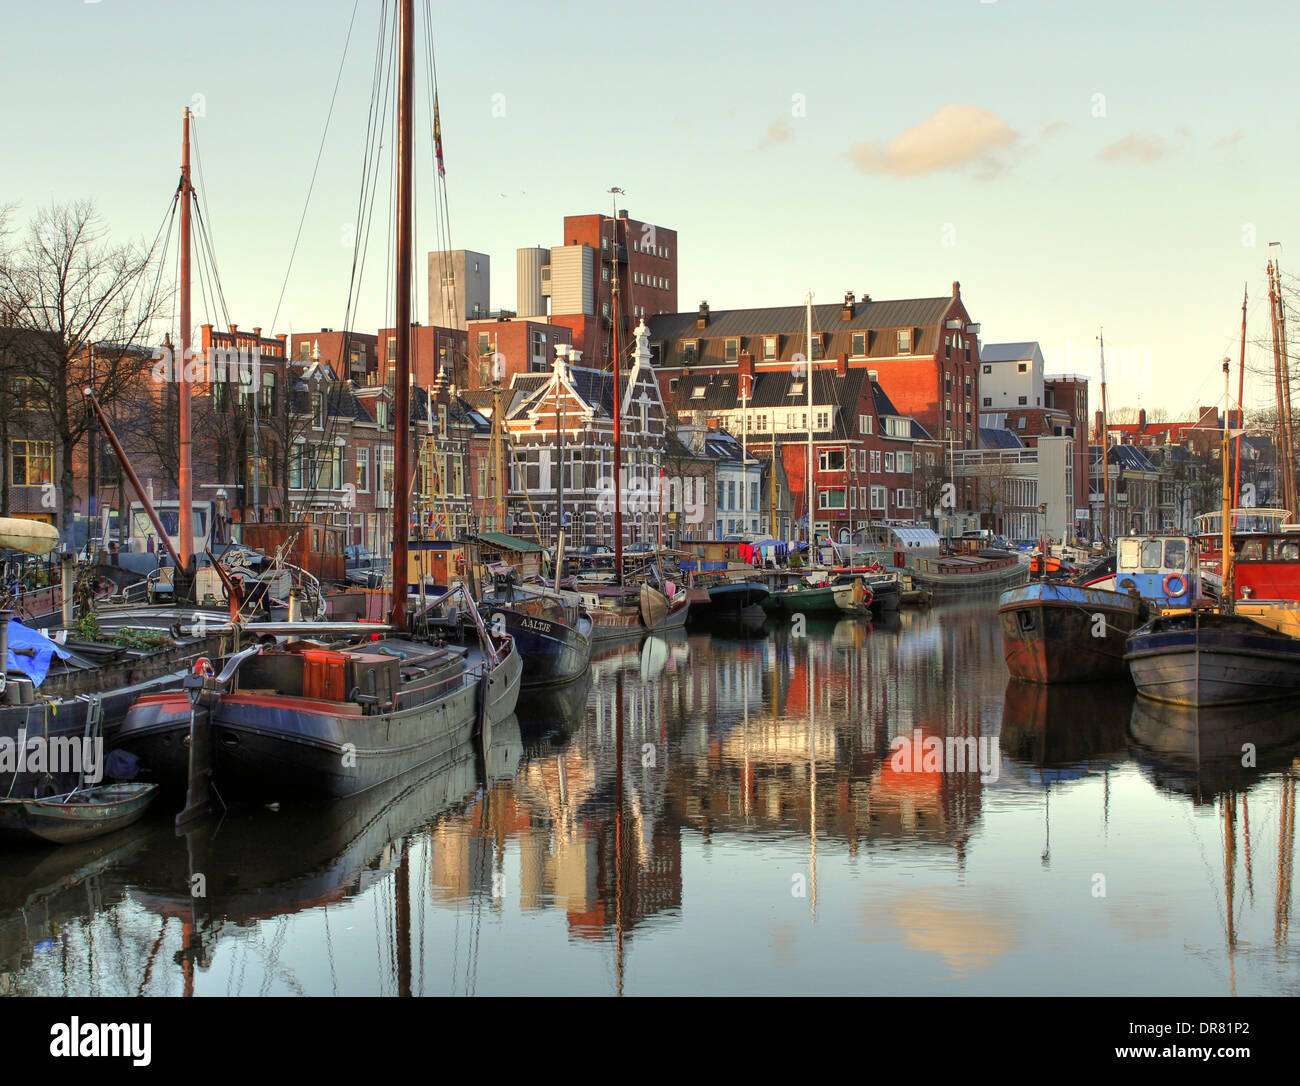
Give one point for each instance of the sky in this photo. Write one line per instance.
(1074, 165)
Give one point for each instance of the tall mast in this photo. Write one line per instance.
(809, 496)
(402, 380)
(1288, 432)
(1280, 377)
(1105, 447)
(1241, 392)
(184, 468)
(618, 410)
(1226, 597)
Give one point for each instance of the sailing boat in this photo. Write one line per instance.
(1241, 652)
(317, 715)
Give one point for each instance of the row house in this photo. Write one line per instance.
(561, 428)
(924, 351)
(1135, 491)
(863, 448)
(354, 356)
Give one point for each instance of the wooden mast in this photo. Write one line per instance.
(1226, 596)
(618, 410)
(1105, 448)
(1241, 392)
(184, 467)
(402, 380)
(809, 486)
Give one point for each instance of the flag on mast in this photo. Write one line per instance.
(437, 138)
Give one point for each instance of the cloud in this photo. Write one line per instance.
(1135, 147)
(1052, 129)
(777, 132)
(955, 137)
(1229, 141)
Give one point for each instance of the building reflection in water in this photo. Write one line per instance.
(581, 809)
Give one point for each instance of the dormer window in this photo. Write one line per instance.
(905, 341)
(769, 348)
(796, 388)
(859, 344)
(732, 347)
(817, 345)
(689, 349)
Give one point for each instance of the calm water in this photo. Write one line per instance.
(728, 814)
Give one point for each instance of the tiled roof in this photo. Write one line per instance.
(910, 313)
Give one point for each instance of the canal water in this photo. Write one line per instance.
(835, 809)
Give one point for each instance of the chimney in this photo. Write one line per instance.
(702, 321)
(233, 329)
(746, 365)
(1142, 419)
(257, 333)
(842, 365)
(623, 214)
(1098, 434)
(846, 314)
(866, 298)
(956, 289)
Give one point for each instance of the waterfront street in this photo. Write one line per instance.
(697, 826)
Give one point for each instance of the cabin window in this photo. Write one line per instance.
(1151, 554)
(1251, 551)
(1128, 554)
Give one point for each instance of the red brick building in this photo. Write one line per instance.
(580, 276)
(525, 345)
(923, 351)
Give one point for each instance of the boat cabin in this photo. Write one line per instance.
(1267, 567)
(317, 548)
(711, 554)
(437, 564)
(1158, 568)
(523, 555)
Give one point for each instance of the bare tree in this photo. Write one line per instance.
(87, 308)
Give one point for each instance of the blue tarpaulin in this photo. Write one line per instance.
(36, 663)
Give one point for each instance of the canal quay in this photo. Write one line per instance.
(725, 813)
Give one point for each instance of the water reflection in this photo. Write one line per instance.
(716, 812)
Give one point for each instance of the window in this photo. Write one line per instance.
(833, 498)
(796, 388)
(363, 470)
(889, 462)
(823, 420)
(1022, 400)
(905, 462)
(672, 385)
(688, 351)
(988, 370)
(859, 344)
(484, 342)
(817, 345)
(903, 499)
(904, 342)
(732, 352)
(318, 411)
(769, 347)
(830, 460)
(879, 498)
(31, 463)
(381, 414)
(862, 497)
(864, 424)
(1023, 367)
(875, 461)
(947, 382)
(988, 401)
(697, 393)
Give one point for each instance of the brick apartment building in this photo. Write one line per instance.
(924, 352)
(578, 277)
